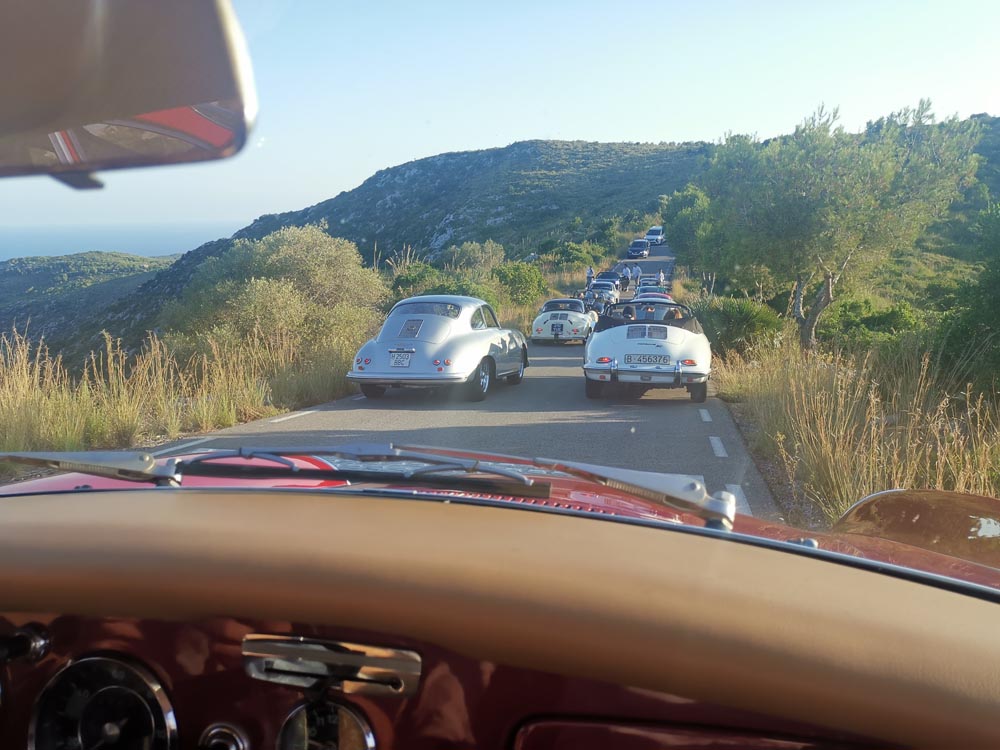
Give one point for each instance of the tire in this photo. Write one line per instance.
(593, 388)
(372, 391)
(518, 376)
(699, 392)
(478, 384)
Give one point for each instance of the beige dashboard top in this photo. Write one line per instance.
(729, 623)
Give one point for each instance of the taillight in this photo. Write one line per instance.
(437, 362)
(538, 330)
(368, 360)
(357, 361)
(603, 360)
(688, 362)
(576, 330)
(448, 362)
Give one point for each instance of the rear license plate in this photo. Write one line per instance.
(647, 359)
(557, 327)
(399, 359)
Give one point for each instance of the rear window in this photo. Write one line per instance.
(444, 309)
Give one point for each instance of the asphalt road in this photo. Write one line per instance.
(547, 415)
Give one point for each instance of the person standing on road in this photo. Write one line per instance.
(590, 276)
(636, 272)
(662, 277)
(627, 274)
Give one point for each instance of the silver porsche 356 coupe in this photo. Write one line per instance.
(440, 340)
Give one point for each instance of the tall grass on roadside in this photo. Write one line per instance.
(846, 426)
(121, 400)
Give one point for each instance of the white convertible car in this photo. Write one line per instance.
(648, 344)
(563, 319)
(440, 340)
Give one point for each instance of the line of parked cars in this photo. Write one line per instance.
(648, 341)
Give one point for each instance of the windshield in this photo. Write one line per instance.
(560, 305)
(833, 251)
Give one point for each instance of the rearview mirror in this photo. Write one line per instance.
(109, 84)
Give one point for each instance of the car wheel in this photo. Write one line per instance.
(699, 392)
(593, 388)
(518, 376)
(372, 391)
(478, 384)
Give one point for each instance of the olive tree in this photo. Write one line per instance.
(823, 202)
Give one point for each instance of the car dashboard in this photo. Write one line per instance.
(229, 684)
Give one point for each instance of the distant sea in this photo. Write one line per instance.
(137, 239)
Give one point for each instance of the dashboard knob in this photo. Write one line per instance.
(222, 737)
(30, 642)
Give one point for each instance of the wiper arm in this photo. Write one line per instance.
(683, 494)
(128, 466)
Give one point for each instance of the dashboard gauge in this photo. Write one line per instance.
(103, 703)
(325, 725)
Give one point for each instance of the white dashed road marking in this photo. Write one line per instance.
(705, 416)
(293, 415)
(181, 447)
(717, 447)
(742, 506)
(358, 397)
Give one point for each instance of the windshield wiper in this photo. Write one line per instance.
(433, 471)
(130, 466)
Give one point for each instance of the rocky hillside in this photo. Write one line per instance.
(516, 195)
(48, 296)
(519, 195)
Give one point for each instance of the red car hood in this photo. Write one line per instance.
(571, 494)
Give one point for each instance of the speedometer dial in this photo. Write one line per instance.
(325, 725)
(103, 703)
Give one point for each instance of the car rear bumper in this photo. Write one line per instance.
(652, 377)
(549, 336)
(390, 380)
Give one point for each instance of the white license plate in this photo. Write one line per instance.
(399, 359)
(647, 359)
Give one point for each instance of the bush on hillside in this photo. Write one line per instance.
(475, 259)
(415, 278)
(522, 282)
(463, 285)
(574, 255)
(737, 325)
(297, 284)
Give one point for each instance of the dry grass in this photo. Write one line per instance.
(847, 426)
(123, 400)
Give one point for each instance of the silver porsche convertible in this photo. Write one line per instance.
(440, 340)
(648, 343)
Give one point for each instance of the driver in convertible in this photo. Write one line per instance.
(628, 313)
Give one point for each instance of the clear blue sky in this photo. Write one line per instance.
(347, 88)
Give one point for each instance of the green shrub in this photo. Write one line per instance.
(522, 282)
(415, 278)
(463, 285)
(737, 325)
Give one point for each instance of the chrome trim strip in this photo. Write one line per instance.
(351, 668)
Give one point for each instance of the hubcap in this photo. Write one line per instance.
(484, 376)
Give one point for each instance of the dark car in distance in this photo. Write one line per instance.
(638, 249)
